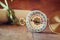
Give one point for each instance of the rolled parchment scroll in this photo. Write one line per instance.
(18, 13)
(9, 15)
(3, 16)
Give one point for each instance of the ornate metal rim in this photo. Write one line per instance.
(41, 28)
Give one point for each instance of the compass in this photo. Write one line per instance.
(36, 21)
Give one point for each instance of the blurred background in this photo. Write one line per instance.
(46, 6)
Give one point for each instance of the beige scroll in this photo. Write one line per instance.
(18, 13)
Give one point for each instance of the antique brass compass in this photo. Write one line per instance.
(36, 21)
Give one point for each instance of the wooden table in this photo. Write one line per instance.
(13, 32)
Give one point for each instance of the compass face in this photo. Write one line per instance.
(36, 21)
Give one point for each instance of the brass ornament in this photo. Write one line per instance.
(22, 21)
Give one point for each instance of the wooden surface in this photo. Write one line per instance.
(13, 32)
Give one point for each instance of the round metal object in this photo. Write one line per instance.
(22, 21)
(36, 21)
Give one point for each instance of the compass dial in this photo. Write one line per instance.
(36, 21)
